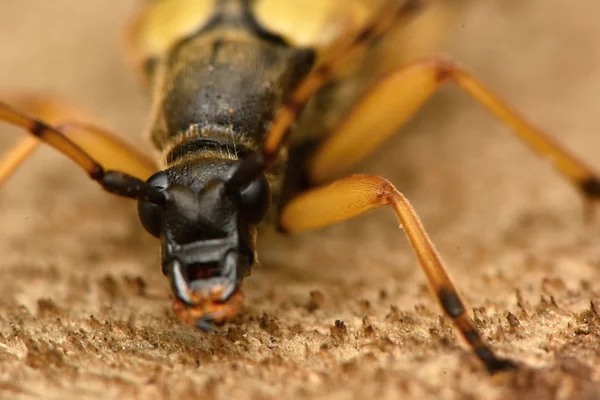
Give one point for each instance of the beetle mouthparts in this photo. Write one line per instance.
(205, 299)
(208, 307)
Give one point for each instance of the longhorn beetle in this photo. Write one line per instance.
(241, 117)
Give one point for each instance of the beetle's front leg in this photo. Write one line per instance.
(349, 197)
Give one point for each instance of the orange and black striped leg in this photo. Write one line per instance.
(356, 194)
(45, 108)
(391, 102)
(114, 181)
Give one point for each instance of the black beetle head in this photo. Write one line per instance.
(207, 228)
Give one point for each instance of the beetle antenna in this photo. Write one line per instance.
(126, 185)
(116, 182)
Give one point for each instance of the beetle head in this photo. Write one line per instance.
(207, 229)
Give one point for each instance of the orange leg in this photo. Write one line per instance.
(356, 194)
(397, 97)
(82, 144)
(16, 156)
(338, 56)
(110, 150)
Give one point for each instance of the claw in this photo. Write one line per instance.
(178, 284)
(230, 273)
(205, 300)
(208, 309)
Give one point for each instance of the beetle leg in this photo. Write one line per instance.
(82, 144)
(338, 56)
(399, 95)
(356, 194)
(16, 156)
(111, 151)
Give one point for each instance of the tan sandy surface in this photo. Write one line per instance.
(85, 311)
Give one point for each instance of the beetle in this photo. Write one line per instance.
(241, 119)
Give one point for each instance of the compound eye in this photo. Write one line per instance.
(150, 214)
(256, 199)
(151, 217)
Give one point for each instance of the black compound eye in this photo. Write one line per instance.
(256, 199)
(150, 214)
(151, 217)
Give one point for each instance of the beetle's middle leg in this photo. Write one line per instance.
(398, 96)
(351, 196)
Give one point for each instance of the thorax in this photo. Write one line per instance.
(217, 91)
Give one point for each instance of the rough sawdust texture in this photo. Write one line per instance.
(84, 311)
